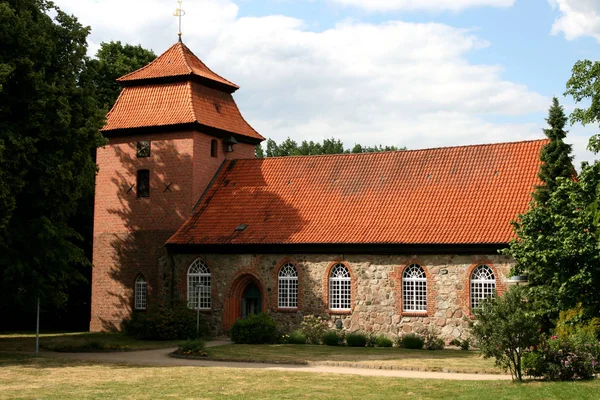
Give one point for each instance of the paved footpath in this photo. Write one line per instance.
(161, 358)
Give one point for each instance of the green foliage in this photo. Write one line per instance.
(557, 247)
(290, 147)
(313, 328)
(584, 86)
(432, 339)
(165, 323)
(255, 329)
(411, 341)
(333, 338)
(196, 348)
(112, 61)
(297, 337)
(88, 346)
(504, 328)
(383, 341)
(560, 359)
(49, 127)
(572, 322)
(259, 152)
(371, 340)
(356, 339)
(556, 157)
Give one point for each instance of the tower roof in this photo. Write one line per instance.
(177, 61)
(177, 90)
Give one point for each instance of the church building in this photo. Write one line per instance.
(390, 242)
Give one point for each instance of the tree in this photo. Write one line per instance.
(556, 157)
(584, 84)
(49, 124)
(259, 152)
(114, 60)
(505, 328)
(556, 246)
(289, 147)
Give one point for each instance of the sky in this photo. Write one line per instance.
(408, 73)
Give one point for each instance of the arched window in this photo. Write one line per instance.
(414, 289)
(483, 284)
(198, 284)
(140, 293)
(287, 289)
(340, 288)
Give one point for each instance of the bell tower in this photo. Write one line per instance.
(172, 127)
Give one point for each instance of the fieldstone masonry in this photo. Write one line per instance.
(376, 289)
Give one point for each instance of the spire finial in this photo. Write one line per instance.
(179, 13)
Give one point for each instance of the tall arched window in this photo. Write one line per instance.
(198, 285)
(414, 289)
(340, 288)
(140, 293)
(287, 288)
(483, 284)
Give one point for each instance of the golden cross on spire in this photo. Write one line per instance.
(179, 13)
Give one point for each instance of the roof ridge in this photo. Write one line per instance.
(191, 53)
(400, 151)
(182, 48)
(190, 88)
(122, 78)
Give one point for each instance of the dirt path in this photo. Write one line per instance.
(161, 358)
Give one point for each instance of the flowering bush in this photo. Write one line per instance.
(561, 359)
(313, 328)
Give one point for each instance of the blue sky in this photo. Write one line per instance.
(415, 73)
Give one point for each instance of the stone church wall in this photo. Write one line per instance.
(376, 289)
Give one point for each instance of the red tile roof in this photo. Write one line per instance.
(178, 60)
(177, 103)
(453, 195)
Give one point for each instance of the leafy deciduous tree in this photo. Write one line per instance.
(49, 124)
(505, 328)
(290, 147)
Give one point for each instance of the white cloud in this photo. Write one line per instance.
(395, 83)
(430, 5)
(577, 18)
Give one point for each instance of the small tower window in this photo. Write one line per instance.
(143, 183)
(214, 148)
(141, 291)
(143, 149)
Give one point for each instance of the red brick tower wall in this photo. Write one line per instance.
(130, 232)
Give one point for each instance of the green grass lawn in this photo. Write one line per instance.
(426, 360)
(81, 341)
(38, 378)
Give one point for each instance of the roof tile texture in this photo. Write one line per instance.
(454, 195)
(178, 60)
(177, 103)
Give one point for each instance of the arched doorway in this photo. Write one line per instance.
(246, 296)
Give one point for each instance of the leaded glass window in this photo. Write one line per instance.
(288, 287)
(340, 288)
(143, 183)
(483, 284)
(198, 285)
(414, 289)
(140, 293)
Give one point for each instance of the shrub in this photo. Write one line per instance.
(356, 339)
(411, 341)
(297, 337)
(432, 341)
(383, 341)
(333, 338)
(165, 323)
(255, 329)
(371, 340)
(561, 359)
(463, 344)
(506, 326)
(192, 348)
(313, 328)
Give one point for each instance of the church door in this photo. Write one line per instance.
(251, 301)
